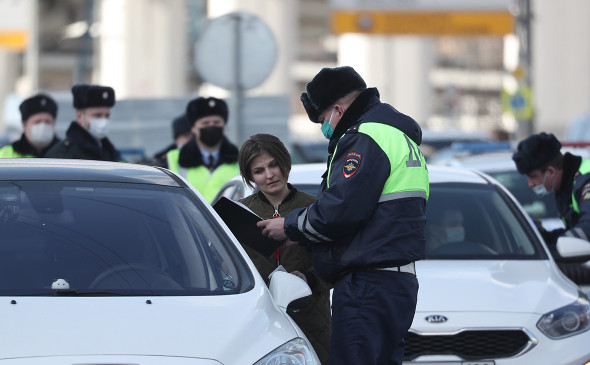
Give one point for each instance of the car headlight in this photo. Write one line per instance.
(566, 321)
(294, 352)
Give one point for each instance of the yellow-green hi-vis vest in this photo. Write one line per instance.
(208, 183)
(584, 169)
(9, 152)
(409, 175)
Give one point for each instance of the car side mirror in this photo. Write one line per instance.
(289, 291)
(573, 249)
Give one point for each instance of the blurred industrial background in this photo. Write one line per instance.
(500, 68)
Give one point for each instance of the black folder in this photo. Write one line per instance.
(242, 222)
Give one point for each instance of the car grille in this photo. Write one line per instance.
(468, 344)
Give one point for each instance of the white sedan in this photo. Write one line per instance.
(490, 292)
(112, 263)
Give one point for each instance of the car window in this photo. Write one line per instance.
(128, 239)
(469, 221)
(538, 207)
(232, 190)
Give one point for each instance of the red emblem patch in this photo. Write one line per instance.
(352, 163)
(586, 193)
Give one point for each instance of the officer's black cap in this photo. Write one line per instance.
(329, 85)
(39, 103)
(204, 107)
(181, 125)
(90, 96)
(535, 152)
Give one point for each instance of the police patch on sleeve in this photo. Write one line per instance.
(352, 163)
(586, 193)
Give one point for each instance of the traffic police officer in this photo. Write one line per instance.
(367, 226)
(38, 115)
(86, 137)
(566, 175)
(208, 159)
(181, 133)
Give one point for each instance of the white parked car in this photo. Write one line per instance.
(112, 263)
(499, 165)
(490, 292)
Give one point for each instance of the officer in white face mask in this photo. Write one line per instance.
(38, 116)
(87, 136)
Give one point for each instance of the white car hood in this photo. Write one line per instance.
(533, 286)
(232, 329)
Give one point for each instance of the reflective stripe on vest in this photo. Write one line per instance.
(584, 169)
(206, 182)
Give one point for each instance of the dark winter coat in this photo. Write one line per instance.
(79, 144)
(575, 186)
(352, 225)
(316, 321)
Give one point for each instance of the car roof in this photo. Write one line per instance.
(445, 174)
(310, 173)
(82, 170)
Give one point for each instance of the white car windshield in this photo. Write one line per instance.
(472, 221)
(102, 238)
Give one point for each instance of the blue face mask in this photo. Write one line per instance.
(327, 129)
(540, 189)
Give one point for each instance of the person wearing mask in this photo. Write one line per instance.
(265, 163)
(208, 159)
(38, 114)
(548, 171)
(445, 228)
(181, 133)
(87, 136)
(366, 227)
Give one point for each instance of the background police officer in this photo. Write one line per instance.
(181, 133)
(86, 137)
(567, 176)
(367, 226)
(38, 115)
(208, 159)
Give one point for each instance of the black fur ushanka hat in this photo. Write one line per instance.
(37, 104)
(535, 151)
(329, 85)
(203, 107)
(89, 96)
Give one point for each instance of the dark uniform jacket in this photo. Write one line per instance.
(576, 184)
(24, 148)
(577, 223)
(348, 227)
(315, 321)
(79, 144)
